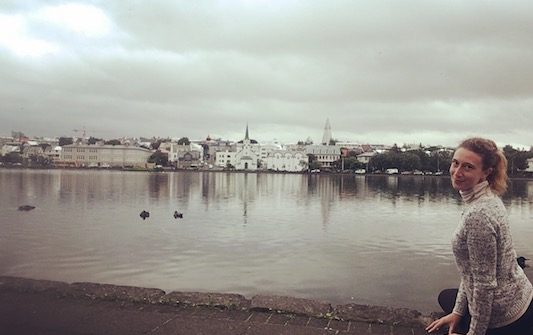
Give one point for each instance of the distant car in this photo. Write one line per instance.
(392, 171)
(438, 173)
(315, 171)
(360, 171)
(419, 173)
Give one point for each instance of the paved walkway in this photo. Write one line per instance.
(37, 311)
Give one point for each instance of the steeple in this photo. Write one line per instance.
(326, 138)
(246, 137)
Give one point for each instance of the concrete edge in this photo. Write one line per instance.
(278, 304)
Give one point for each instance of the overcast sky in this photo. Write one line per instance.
(382, 71)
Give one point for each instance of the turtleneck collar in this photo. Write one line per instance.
(476, 192)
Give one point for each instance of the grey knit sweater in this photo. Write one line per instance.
(493, 288)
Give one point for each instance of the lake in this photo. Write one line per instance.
(380, 240)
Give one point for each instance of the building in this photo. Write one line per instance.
(212, 146)
(32, 150)
(365, 157)
(83, 155)
(290, 161)
(183, 155)
(327, 137)
(225, 158)
(246, 158)
(529, 165)
(326, 155)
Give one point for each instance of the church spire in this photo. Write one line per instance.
(246, 137)
(327, 133)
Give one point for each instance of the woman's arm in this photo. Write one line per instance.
(482, 250)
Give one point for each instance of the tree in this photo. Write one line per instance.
(184, 141)
(40, 161)
(113, 142)
(13, 158)
(159, 158)
(314, 165)
(65, 141)
(516, 159)
(93, 140)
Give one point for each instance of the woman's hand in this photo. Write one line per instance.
(451, 320)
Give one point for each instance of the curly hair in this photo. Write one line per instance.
(491, 157)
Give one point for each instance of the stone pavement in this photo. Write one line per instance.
(52, 308)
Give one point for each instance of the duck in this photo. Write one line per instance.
(144, 214)
(178, 215)
(522, 261)
(26, 208)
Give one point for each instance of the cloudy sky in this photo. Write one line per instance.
(381, 71)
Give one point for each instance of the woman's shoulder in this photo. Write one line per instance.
(486, 209)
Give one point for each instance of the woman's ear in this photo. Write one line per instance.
(488, 172)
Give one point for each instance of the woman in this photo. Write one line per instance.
(495, 296)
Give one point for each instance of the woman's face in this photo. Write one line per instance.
(466, 170)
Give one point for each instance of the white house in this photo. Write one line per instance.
(291, 161)
(223, 158)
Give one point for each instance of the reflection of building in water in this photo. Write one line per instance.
(327, 189)
(158, 185)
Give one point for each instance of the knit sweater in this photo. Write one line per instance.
(493, 288)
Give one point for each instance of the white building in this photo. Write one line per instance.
(225, 158)
(326, 155)
(246, 158)
(106, 155)
(291, 161)
(365, 157)
(529, 165)
(266, 149)
(54, 153)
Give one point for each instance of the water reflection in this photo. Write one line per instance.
(303, 235)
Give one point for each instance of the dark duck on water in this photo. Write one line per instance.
(144, 214)
(178, 215)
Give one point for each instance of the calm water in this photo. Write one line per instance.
(377, 239)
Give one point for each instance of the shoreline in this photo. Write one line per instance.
(325, 173)
(224, 301)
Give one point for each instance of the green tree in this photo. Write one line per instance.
(516, 159)
(93, 140)
(40, 161)
(65, 141)
(113, 142)
(13, 158)
(159, 158)
(314, 165)
(184, 141)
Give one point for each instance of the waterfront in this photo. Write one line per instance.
(380, 240)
